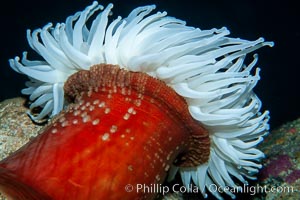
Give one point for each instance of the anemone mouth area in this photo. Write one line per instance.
(112, 76)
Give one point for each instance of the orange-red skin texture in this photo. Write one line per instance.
(104, 141)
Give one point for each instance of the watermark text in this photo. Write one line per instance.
(177, 188)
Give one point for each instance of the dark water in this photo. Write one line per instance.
(276, 21)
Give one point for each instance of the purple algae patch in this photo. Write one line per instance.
(281, 164)
(292, 177)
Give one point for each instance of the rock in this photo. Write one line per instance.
(281, 168)
(16, 128)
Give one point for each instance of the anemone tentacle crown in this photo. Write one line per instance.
(205, 67)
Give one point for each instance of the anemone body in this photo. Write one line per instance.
(89, 151)
(205, 67)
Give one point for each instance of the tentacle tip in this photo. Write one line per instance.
(270, 44)
(224, 28)
(152, 6)
(17, 59)
(28, 32)
(255, 56)
(95, 3)
(24, 54)
(50, 24)
(11, 61)
(110, 5)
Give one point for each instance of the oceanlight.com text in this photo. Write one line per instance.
(251, 189)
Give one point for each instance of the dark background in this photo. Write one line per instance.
(276, 21)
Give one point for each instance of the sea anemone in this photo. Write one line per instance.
(205, 67)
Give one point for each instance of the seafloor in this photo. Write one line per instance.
(279, 178)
